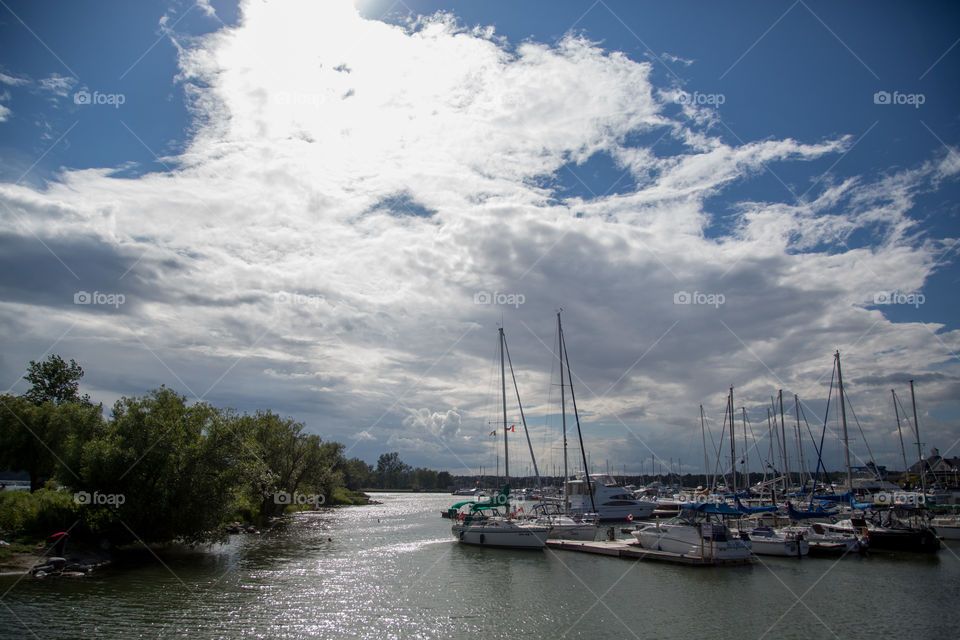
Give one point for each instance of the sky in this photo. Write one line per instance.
(327, 209)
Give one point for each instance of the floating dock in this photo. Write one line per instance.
(631, 550)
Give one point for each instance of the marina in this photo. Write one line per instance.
(392, 570)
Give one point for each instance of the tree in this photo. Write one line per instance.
(175, 466)
(53, 380)
(357, 474)
(391, 471)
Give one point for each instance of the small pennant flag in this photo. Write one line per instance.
(512, 427)
(630, 518)
(493, 433)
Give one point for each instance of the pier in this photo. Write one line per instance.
(629, 550)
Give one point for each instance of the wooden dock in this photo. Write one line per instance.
(631, 550)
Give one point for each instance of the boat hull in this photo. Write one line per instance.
(686, 540)
(504, 534)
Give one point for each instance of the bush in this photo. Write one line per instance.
(38, 514)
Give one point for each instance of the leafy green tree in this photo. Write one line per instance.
(175, 466)
(53, 380)
(290, 462)
(357, 474)
(391, 471)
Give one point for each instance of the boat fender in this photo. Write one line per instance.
(482, 538)
(461, 535)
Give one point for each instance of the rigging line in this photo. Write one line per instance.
(862, 435)
(823, 433)
(523, 419)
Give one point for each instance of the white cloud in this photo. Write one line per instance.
(284, 262)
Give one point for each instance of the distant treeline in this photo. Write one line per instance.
(159, 468)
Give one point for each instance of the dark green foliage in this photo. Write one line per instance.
(53, 380)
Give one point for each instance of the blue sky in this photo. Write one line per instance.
(379, 163)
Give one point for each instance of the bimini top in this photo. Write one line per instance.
(711, 508)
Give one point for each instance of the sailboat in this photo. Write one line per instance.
(563, 524)
(491, 523)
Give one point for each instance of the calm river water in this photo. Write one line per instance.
(394, 571)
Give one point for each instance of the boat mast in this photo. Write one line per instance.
(503, 390)
(916, 429)
(746, 453)
(706, 462)
(576, 415)
(783, 437)
(523, 420)
(896, 412)
(803, 465)
(843, 418)
(733, 448)
(563, 419)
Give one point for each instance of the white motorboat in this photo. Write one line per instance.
(767, 541)
(699, 530)
(562, 526)
(948, 527)
(610, 500)
(828, 543)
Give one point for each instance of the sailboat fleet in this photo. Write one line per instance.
(730, 523)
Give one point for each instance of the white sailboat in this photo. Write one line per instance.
(491, 523)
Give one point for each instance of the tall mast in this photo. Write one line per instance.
(503, 389)
(563, 417)
(916, 429)
(523, 420)
(746, 453)
(843, 418)
(896, 412)
(576, 415)
(783, 438)
(733, 448)
(803, 465)
(706, 462)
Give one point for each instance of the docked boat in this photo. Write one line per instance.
(767, 541)
(563, 526)
(489, 524)
(700, 530)
(830, 543)
(948, 528)
(610, 500)
(888, 532)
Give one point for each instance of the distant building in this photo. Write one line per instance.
(936, 468)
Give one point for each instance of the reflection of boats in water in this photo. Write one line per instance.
(700, 530)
